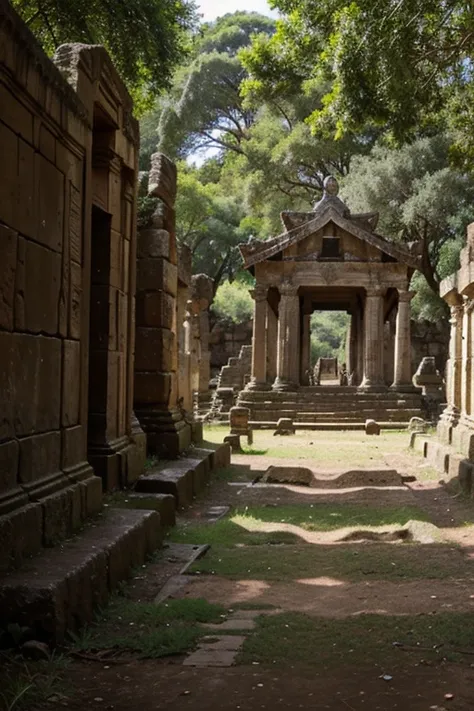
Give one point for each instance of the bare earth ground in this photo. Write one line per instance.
(349, 611)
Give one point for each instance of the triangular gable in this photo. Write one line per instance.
(256, 252)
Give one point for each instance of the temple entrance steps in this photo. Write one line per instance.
(331, 407)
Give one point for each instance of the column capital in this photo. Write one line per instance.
(457, 311)
(375, 291)
(259, 293)
(468, 305)
(287, 288)
(405, 296)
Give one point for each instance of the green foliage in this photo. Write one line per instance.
(232, 302)
(146, 39)
(420, 198)
(405, 67)
(328, 335)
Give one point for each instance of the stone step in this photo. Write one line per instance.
(164, 504)
(328, 426)
(185, 477)
(332, 416)
(61, 587)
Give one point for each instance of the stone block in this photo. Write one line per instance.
(71, 383)
(47, 144)
(156, 274)
(152, 388)
(50, 204)
(285, 426)
(73, 450)
(197, 432)
(75, 301)
(372, 427)
(15, 114)
(41, 289)
(233, 440)
(40, 455)
(155, 309)
(20, 536)
(9, 182)
(8, 242)
(57, 516)
(92, 492)
(9, 462)
(153, 243)
(29, 384)
(26, 200)
(162, 179)
(178, 482)
(221, 456)
(154, 349)
(164, 504)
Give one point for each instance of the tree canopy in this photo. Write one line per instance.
(146, 39)
(402, 65)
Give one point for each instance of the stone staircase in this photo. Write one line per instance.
(232, 379)
(331, 407)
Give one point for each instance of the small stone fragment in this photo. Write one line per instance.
(372, 427)
(35, 650)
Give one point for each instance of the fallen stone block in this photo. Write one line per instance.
(301, 476)
(417, 424)
(178, 482)
(285, 426)
(164, 504)
(372, 427)
(233, 440)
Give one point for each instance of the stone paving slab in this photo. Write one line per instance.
(231, 624)
(226, 642)
(217, 658)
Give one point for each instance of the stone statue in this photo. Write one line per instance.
(343, 379)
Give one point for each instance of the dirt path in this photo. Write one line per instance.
(363, 623)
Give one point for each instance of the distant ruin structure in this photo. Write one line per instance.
(329, 259)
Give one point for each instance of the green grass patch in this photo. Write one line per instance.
(147, 629)
(351, 563)
(246, 526)
(333, 449)
(27, 684)
(295, 638)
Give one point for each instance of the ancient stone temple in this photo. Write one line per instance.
(452, 451)
(330, 259)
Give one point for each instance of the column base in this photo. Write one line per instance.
(257, 385)
(282, 385)
(369, 386)
(404, 388)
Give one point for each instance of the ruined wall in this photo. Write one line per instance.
(225, 342)
(430, 338)
(66, 154)
(156, 354)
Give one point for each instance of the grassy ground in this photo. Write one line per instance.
(350, 563)
(294, 638)
(246, 526)
(327, 448)
(146, 629)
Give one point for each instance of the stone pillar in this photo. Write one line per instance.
(202, 295)
(272, 338)
(466, 354)
(156, 350)
(402, 380)
(351, 348)
(373, 340)
(288, 339)
(259, 340)
(306, 349)
(454, 364)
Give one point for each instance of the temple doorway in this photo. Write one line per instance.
(328, 347)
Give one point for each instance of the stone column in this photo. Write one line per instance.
(402, 380)
(306, 349)
(466, 355)
(351, 347)
(373, 339)
(288, 339)
(454, 364)
(272, 339)
(259, 340)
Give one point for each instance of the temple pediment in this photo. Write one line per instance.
(329, 232)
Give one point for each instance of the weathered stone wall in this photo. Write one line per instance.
(225, 342)
(156, 355)
(430, 338)
(67, 250)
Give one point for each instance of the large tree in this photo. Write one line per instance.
(399, 64)
(146, 39)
